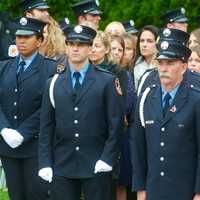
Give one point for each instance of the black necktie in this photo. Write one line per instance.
(21, 68)
(167, 104)
(77, 85)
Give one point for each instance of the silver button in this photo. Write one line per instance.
(76, 108)
(15, 117)
(16, 90)
(162, 144)
(76, 135)
(15, 103)
(77, 148)
(162, 129)
(162, 159)
(162, 173)
(75, 121)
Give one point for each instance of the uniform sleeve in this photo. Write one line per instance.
(138, 151)
(47, 126)
(197, 112)
(4, 123)
(115, 117)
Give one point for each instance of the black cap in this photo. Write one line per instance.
(82, 34)
(173, 34)
(65, 26)
(130, 26)
(29, 26)
(172, 50)
(177, 15)
(27, 5)
(87, 7)
(64, 23)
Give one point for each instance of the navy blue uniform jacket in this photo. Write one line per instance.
(83, 129)
(166, 153)
(20, 102)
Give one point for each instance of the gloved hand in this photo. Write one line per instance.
(12, 137)
(102, 167)
(46, 174)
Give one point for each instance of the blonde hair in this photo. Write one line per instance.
(120, 27)
(55, 44)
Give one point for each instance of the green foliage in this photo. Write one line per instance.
(3, 195)
(142, 11)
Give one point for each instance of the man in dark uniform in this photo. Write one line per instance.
(151, 76)
(166, 132)
(35, 9)
(88, 11)
(81, 122)
(22, 82)
(176, 19)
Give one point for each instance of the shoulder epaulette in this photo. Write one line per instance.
(191, 86)
(50, 59)
(102, 70)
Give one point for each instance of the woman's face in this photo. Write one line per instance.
(194, 62)
(147, 44)
(117, 51)
(98, 51)
(193, 41)
(129, 52)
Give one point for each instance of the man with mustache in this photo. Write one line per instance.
(166, 131)
(22, 80)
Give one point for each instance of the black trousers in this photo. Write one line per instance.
(96, 188)
(22, 179)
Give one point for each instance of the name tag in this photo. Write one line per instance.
(149, 122)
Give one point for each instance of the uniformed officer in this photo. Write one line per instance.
(35, 9)
(165, 135)
(81, 122)
(176, 19)
(151, 77)
(21, 86)
(88, 10)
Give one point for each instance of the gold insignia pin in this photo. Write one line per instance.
(173, 109)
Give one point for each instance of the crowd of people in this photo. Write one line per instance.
(99, 114)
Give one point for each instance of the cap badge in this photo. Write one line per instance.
(97, 2)
(164, 45)
(23, 21)
(78, 29)
(183, 10)
(132, 22)
(166, 32)
(67, 21)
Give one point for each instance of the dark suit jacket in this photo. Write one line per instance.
(20, 102)
(72, 147)
(165, 154)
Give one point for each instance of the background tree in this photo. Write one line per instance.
(141, 11)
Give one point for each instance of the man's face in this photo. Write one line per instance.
(94, 19)
(27, 45)
(40, 14)
(171, 72)
(179, 26)
(78, 53)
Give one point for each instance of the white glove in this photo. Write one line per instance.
(46, 174)
(102, 167)
(12, 137)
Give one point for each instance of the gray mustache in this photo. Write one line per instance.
(164, 75)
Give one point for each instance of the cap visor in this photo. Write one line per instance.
(25, 32)
(95, 12)
(78, 40)
(132, 30)
(182, 20)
